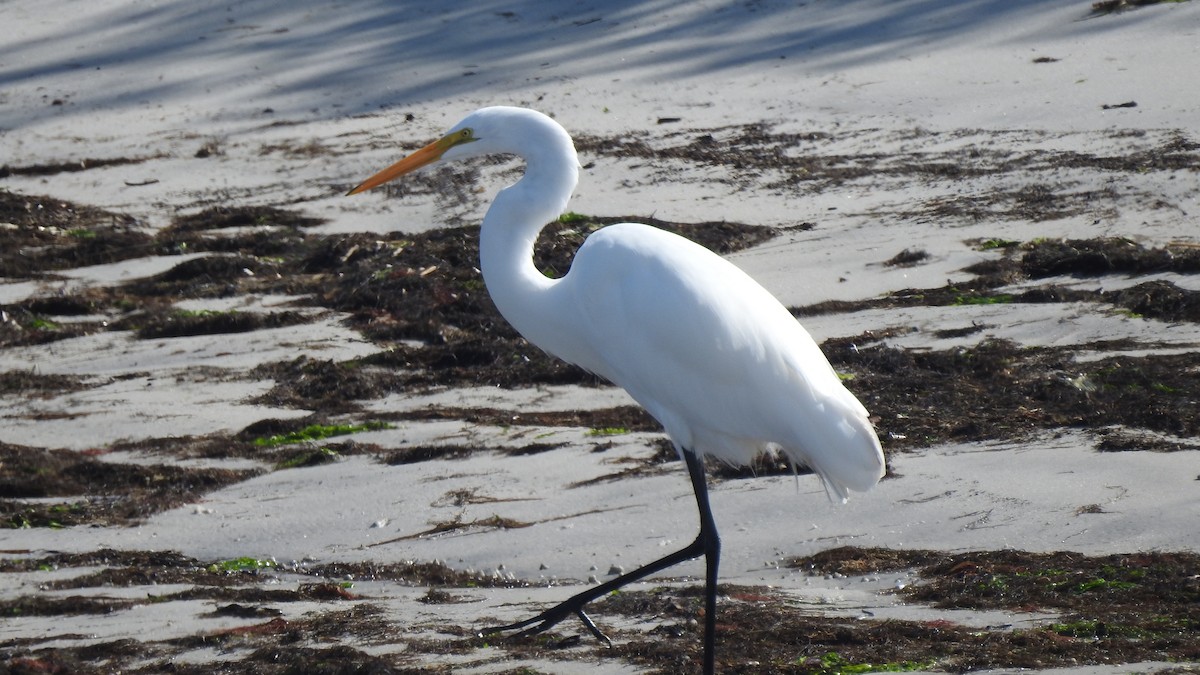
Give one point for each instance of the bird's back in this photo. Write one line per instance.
(712, 355)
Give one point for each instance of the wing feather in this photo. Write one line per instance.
(714, 356)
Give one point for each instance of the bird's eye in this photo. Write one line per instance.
(465, 134)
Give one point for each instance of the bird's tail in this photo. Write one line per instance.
(841, 447)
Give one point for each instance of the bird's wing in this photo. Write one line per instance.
(713, 355)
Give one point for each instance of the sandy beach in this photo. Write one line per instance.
(250, 424)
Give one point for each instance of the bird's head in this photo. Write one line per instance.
(495, 130)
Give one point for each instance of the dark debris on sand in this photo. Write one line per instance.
(1127, 608)
(420, 298)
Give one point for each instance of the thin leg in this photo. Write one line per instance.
(712, 558)
(706, 544)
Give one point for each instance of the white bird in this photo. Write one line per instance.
(710, 353)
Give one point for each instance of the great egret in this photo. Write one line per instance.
(705, 349)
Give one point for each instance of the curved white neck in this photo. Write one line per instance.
(521, 292)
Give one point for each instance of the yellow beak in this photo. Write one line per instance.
(426, 155)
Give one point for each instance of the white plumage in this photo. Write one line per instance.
(710, 353)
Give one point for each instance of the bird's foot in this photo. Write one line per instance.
(548, 619)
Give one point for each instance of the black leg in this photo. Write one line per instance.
(712, 558)
(706, 544)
